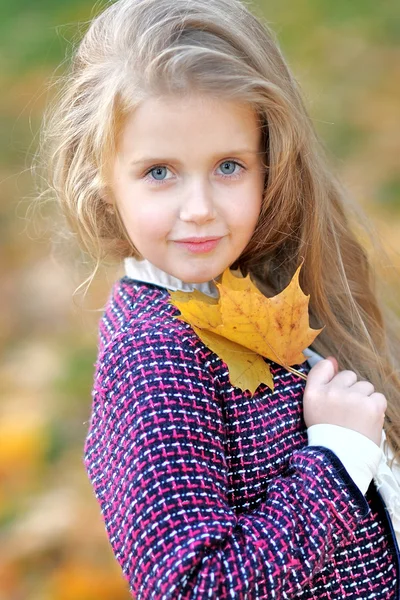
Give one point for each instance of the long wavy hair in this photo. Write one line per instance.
(135, 49)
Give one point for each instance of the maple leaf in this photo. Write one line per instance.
(242, 326)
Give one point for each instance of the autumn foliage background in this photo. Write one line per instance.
(53, 544)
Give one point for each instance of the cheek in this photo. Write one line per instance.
(245, 210)
(146, 219)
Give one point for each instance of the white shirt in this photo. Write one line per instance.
(360, 456)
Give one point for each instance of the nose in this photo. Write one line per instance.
(198, 203)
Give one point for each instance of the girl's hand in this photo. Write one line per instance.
(337, 398)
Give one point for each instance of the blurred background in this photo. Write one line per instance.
(53, 545)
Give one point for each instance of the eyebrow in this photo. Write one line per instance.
(152, 159)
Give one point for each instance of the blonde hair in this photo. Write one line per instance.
(136, 49)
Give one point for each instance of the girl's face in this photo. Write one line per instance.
(186, 167)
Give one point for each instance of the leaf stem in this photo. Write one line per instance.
(296, 372)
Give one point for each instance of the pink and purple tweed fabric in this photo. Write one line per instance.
(209, 493)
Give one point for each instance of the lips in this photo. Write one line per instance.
(199, 240)
(201, 245)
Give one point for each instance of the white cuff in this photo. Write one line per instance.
(359, 455)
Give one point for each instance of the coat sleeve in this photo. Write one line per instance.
(154, 454)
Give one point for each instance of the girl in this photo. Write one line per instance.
(180, 142)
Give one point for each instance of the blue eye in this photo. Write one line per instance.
(159, 173)
(227, 165)
(231, 169)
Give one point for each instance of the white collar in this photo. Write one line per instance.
(144, 270)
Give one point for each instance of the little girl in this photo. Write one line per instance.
(180, 142)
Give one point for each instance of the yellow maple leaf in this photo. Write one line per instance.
(243, 325)
(247, 369)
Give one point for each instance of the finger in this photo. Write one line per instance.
(321, 373)
(345, 379)
(380, 402)
(334, 362)
(363, 387)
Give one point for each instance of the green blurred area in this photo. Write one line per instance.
(346, 57)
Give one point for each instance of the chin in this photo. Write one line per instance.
(196, 279)
(193, 278)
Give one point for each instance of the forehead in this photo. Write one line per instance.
(184, 122)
